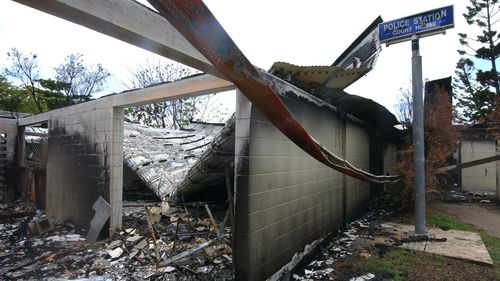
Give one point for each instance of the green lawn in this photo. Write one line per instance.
(394, 262)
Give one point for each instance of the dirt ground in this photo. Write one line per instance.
(423, 266)
(362, 258)
(485, 216)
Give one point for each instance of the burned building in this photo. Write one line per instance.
(285, 200)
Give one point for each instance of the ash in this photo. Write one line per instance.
(62, 253)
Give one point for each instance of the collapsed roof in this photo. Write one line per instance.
(180, 163)
(357, 60)
(176, 163)
(328, 82)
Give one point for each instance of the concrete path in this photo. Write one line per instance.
(457, 244)
(481, 215)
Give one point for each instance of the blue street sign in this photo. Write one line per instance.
(420, 24)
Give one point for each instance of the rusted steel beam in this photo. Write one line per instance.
(200, 27)
(467, 164)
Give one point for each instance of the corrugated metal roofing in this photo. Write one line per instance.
(166, 159)
(328, 82)
(12, 115)
(364, 50)
(357, 60)
(366, 110)
(328, 76)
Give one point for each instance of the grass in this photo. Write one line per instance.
(493, 245)
(446, 222)
(401, 263)
(393, 263)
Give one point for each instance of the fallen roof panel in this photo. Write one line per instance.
(330, 76)
(164, 158)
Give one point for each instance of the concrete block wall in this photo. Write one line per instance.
(9, 128)
(85, 162)
(8, 136)
(390, 151)
(358, 154)
(482, 177)
(284, 198)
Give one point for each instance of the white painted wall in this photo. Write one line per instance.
(481, 177)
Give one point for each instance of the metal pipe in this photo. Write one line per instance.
(418, 139)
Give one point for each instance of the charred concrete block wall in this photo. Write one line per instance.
(8, 136)
(390, 151)
(284, 198)
(357, 153)
(85, 162)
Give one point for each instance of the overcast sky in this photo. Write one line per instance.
(299, 32)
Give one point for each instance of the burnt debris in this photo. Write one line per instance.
(182, 244)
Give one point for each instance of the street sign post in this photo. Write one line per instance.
(423, 24)
(412, 28)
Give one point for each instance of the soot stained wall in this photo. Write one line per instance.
(84, 145)
(284, 198)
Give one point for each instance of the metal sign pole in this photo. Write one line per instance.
(418, 138)
(412, 28)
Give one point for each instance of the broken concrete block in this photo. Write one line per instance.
(102, 214)
(43, 225)
(116, 253)
(40, 225)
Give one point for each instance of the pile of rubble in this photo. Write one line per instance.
(464, 196)
(156, 242)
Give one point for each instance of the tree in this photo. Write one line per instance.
(12, 98)
(25, 69)
(52, 93)
(478, 86)
(441, 140)
(17, 99)
(82, 80)
(166, 114)
(404, 108)
(74, 83)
